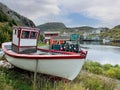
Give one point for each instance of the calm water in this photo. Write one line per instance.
(102, 53)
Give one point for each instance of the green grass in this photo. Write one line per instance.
(17, 79)
(41, 44)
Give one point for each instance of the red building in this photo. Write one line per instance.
(58, 40)
(48, 36)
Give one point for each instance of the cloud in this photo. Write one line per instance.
(53, 18)
(33, 8)
(106, 11)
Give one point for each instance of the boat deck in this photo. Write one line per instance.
(41, 51)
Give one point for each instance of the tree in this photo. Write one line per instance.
(3, 17)
(5, 33)
(4, 37)
(12, 22)
(41, 37)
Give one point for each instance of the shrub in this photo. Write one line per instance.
(97, 70)
(113, 73)
(93, 67)
(110, 73)
(5, 33)
(107, 66)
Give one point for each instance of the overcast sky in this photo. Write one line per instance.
(95, 13)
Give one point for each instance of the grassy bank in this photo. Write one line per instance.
(112, 71)
(17, 79)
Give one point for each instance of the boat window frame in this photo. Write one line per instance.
(36, 34)
(29, 35)
(23, 36)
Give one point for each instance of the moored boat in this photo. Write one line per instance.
(23, 53)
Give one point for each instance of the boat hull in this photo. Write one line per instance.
(56, 63)
(67, 69)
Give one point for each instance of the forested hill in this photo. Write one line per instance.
(8, 15)
(112, 34)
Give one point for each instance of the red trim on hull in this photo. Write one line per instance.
(70, 55)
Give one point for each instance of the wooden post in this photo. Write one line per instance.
(35, 76)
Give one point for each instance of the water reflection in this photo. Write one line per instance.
(91, 43)
(102, 53)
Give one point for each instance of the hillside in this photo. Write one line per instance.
(51, 26)
(7, 14)
(58, 26)
(84, 28)
(112, 34)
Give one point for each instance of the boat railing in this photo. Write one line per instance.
(53, 52)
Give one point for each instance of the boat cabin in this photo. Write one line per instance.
(24, 39)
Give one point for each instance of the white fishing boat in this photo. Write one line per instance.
(22, 52)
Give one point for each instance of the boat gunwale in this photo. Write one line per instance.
(68, 55)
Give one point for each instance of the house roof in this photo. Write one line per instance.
(60, 37)
(51, 32)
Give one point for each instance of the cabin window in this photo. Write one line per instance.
(33, 35)
(25, 34)
(15, 32)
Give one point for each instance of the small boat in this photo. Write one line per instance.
(106, 41)
(23, 53)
